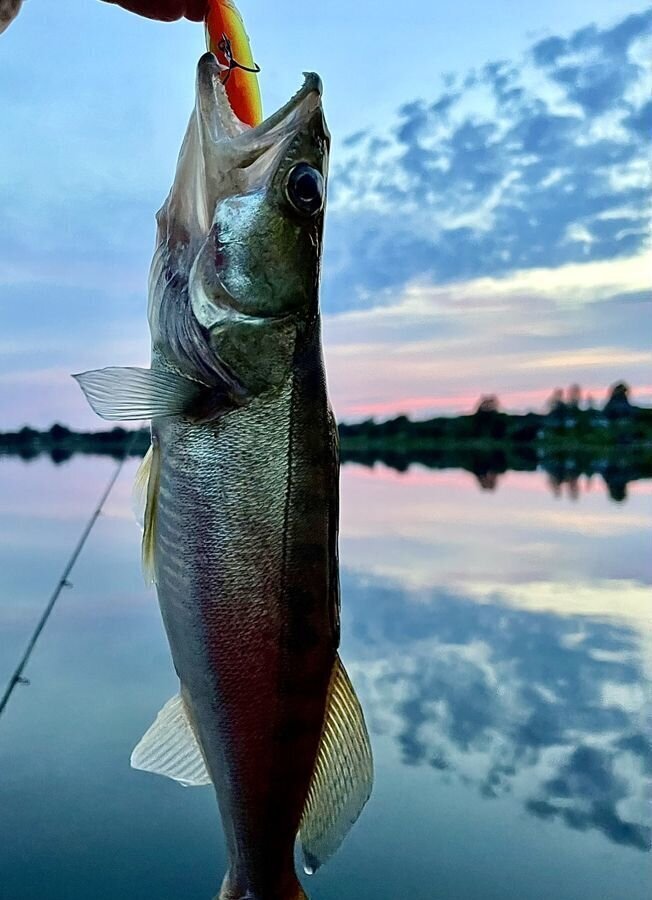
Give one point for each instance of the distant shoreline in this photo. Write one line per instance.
(564, 443)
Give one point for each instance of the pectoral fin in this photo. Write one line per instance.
(169, 747)
(132, 393)
(343, 777)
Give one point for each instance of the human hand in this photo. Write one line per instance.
(8, 12)
(165, 10)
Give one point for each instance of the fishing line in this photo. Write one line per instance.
(17, 676)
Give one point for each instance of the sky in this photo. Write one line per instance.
(488, 224)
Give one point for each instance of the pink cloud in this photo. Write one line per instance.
(534, 399)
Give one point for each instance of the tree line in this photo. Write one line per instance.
(570, 417)
(572, 438)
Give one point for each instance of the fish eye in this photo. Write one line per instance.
(305, 189)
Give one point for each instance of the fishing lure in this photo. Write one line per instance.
(227, 38)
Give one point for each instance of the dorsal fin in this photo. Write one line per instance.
(343, 776)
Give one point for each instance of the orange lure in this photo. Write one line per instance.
(227, 39)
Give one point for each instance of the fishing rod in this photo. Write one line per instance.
(17, 675)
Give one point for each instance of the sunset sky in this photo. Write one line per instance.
(488, 225)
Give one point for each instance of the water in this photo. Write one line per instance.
(501, 645)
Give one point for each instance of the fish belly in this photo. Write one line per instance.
(242, 565)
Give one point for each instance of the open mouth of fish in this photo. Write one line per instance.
(236, 156)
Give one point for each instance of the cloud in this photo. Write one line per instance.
(433, 349)
(531, 166)
(436, 348)
(533, 163)
(593, 66)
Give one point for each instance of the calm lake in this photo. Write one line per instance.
(501, 644)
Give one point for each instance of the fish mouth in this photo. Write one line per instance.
(232, 148)
(219, 113)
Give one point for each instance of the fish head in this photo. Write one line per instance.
(261, 256)
(255, 278)
(223, 157)
(281, 225)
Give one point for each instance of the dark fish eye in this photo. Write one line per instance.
(305, 189)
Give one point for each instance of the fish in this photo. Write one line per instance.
(240, 492)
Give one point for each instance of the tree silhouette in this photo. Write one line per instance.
(574, 396)
(488, 403)
(618, 405)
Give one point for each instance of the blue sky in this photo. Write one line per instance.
(489, 203)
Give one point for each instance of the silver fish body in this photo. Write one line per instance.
(247, 593)
(242, 495)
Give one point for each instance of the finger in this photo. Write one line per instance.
(165, 10)
(8, 12)
(196, 10)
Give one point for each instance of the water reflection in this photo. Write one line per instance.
(565, 473)
(546, 706)
(500, 642)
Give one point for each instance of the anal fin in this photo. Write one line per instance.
(169, 747)
(343, 776)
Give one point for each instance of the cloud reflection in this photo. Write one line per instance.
(509, 700)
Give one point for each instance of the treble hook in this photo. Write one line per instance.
(224, 46)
